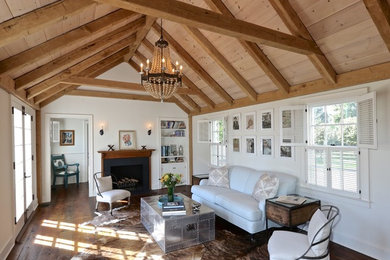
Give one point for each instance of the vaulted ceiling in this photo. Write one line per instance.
(235, 53)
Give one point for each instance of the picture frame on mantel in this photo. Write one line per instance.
(127, 140)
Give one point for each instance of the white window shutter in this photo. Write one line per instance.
(56, 131)
(367, 132)
(293, 125)
(204, 129)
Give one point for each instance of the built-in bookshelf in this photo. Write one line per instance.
(174, 147)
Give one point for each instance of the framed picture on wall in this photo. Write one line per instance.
(287, 151)
(287, 118)
(267, 146)
(266, 119)
(127, 140)
(250, 145)
(66, 137)
(250, 121)
(236, 122)
(236, 144)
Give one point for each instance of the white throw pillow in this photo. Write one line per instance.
(266, 187)
(316, 222)
(58, 163)
(104, 183)
(219, 177)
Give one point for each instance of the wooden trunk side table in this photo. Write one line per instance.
(290, 215)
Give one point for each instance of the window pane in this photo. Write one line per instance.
(333, 113)
(350, 112)
(337, 170)
(350, 165)
(333, 135)
(317, 174)
(350, 135)
(318, 135)
(318, 115)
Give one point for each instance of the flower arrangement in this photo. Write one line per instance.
(170, 180)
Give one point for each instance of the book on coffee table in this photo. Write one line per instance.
(173, 212)
(173, 205)
(289, 199)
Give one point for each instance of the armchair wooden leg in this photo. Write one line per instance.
(54, 182)
(97, 204)
(77, 178)
(66, 181)
(111, 209)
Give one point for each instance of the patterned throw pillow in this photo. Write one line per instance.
(219, 177)
(58, 163)
(266, 187)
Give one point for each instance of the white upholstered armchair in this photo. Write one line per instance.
(286, 245)
(105, 193)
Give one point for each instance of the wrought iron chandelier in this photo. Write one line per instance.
(162, 78)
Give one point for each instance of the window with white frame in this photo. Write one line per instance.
(218, 143)
(337, 131)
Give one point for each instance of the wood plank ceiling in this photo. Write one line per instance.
(235, 53)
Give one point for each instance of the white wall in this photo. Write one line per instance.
(115, 114)
(363, 226)
(73, 153)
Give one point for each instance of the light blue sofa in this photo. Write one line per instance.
(236, 204)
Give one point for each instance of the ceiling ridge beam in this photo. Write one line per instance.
(195, 66)
(291, 19)
(52, 46)
(78, 55)
(185, 79)
(213, 52)
(254, 51)
(201, 18)
(380, 13)
(51, 82)
(38, 19)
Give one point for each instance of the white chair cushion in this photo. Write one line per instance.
(266, 187)
(219, 177)
(104, 183)
(286, 245)
(316, 222)
(113, 195)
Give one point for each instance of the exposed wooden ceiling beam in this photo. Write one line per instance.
(185, 79)
(190, 102)
(352, 78)
(254, 51)
(194, 16)
(180, 105)
(195, 66)
(64, 62)
(36, 20)
(222, 62)
(57, 96)
(8, 84)
(43, 51)
(93, 71)
(297, 28)
(51, 82)
(141, 34)
(380, 14)
(107, 94)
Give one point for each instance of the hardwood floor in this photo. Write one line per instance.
(72, 206)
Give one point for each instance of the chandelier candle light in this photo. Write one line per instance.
(162, 78)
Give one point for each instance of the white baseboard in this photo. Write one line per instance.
(362, 246)
(7, 249)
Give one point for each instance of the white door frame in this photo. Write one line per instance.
(46, 168)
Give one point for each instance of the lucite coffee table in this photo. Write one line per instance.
(176, 232)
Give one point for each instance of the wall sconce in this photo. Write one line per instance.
(149, 129)
(101, 132)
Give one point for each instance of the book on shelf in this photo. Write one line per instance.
(291, 199)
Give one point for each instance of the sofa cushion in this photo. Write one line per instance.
(266, 187)
(240, 203)
(208, 192)
(219, 177)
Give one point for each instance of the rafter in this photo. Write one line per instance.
(180, 105)
(297, 28)
(222, 62)
(8, 84)
(380, 14)
(190, 102)
(194, 16)
(185, 79)
(352, 78)
(107, 94)
(43, 51)
(36, 20)
(64, 62)
(51, 82)
(254, 51)
(195, 66)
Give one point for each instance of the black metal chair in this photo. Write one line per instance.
(315, 245)
(61, 169)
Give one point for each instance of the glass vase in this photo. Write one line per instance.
(171, 190)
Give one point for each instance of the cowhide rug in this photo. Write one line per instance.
(122, 236)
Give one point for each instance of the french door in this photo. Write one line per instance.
(23, 165)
